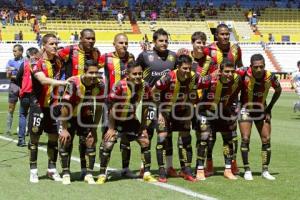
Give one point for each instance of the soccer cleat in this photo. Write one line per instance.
(54, 175)
(149, 178)
(142, 172)
(82, 173)
(209, 170)
(200, 175)
(248, 176)
(101, 179)
(171, 172)
(89, 179)
(187, 176)
(127, 173)
(66, 179)
(162, 179)
(234, 168)
(34, 178)
(267, 175)
(162, 175)
(229, 175)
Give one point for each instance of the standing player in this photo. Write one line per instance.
(45, 82)
(12, 68)
(256, 85)
(216, 114)
(127, 116)
(176, 90)
(74, 57)
(296, 84)
(78, 102)
(156, 63)
(24, 81)
(115, 66)
(217, 51)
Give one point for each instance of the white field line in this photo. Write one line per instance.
(162, 185)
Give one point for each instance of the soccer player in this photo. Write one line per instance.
(12, 68)
(46, 78)
(216, 115)
(127, 119)
(115, 66)
(296, 85)
(74, 57)
(23, 79)
(176, 90)
(78, 117)
(217, 51)
(156, 63)
(256, 85)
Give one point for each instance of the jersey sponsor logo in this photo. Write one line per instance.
(162, 73)
(258, 94)
(151, 58)
(123, 72)
(213, 53)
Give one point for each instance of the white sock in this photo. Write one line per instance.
(34, 171)
(52, 170)
(142, 165)
(169, 161)
(227, 166)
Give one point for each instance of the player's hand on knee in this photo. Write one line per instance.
(110, 135)
(64, 137)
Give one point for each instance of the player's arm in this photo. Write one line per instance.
(40, 76)
(276, 95)
(64, 136)
(20, 75)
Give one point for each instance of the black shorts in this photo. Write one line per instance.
(75, 128)
(247, 116)
(151, 117)
(131, 129)
(13, 93)
(224, 123)
(41, 120)
(180, 120)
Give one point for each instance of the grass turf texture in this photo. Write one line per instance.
(14, 168)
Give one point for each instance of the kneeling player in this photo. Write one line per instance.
(78, 103)
(127, 119)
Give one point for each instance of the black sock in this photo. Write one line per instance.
(266, 156)
(52, 150)
(245, 151)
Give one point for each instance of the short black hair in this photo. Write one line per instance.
(198, 35)
(298, 63)
(20, 47)
(226, 63)
(183, 59)
(221, 26)
(256, 57)
(31, 51)
(132, 64)
(90, 63)
(158, 33)
(86, 30)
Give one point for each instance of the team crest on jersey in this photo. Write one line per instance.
(151, 58)
(171, 58)
(213, 53)
(35, 129)
(75, 53)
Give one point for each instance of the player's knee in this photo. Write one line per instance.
(266, 139)
(108, 146)
(90, 142)
(144, 142)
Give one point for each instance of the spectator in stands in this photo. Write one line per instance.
(12, 69)
(76, 36)
(72, 38)
(43, 20)
(38, 39)
(12, 17)
(120, 18)
(3, 17)
(21, 35)
(271, 38)
(253, 22)
(296, 85)
(143, 15)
